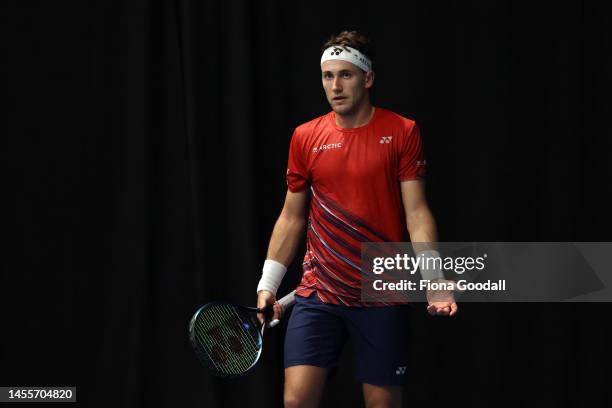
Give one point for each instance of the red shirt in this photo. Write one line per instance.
(354, 177)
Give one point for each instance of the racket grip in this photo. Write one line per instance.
(287, 300)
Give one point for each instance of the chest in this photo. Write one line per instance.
(368, 156)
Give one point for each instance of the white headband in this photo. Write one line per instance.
(349, 54)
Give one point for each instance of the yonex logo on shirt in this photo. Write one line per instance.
(400, 370)
(327, 147)
(385, 139)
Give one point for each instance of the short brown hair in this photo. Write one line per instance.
(351, 39)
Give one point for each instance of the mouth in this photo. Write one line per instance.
(338, 98)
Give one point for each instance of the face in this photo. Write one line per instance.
(346, 86)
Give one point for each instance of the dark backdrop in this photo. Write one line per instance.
(144, 148)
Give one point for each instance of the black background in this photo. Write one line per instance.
(144, 147)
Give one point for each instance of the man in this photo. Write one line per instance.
(364, 166)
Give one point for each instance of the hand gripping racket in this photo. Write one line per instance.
(228, 338)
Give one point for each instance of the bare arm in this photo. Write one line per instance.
(285, 239)
(288, 228)
(420, 222)
(422, 229)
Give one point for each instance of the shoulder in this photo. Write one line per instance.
(397, 121)
(313, 125)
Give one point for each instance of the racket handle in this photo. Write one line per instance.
(287, 300)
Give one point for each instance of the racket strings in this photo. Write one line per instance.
(227, 339)
(223, 353)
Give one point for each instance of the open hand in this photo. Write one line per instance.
(442, 302)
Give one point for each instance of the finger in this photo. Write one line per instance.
(282, 309)
(261, 303)
(276, 311)
(439, 310)
(454, 309)
(265, 314)
(444, 310)
(431, 309)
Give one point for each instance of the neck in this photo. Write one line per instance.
(361, 116)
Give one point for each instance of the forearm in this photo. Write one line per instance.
(422, 230)
(422, 226)
(285, 239)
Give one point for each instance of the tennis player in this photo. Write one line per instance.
(362, 167)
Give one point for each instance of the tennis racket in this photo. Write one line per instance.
(228, 338)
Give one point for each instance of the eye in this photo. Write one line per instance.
(327, 75)
(346, 75)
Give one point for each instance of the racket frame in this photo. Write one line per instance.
(287, 301)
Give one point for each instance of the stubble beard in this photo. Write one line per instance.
(345, 109)
(356, 100)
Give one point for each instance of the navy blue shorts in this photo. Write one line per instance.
(317, 331)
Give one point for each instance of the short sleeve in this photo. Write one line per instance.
(297, 173)
(412, 160)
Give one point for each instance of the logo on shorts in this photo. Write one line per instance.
(400, 370)
(385, 139)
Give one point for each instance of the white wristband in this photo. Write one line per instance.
(272, 276)
(431, 265)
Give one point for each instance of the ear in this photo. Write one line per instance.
(369, 79)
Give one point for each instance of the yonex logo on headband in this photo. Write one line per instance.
(352, 55)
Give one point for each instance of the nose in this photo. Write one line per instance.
(336, 85)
